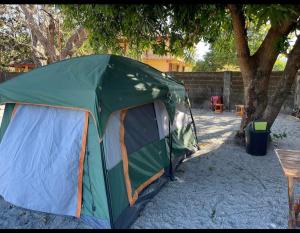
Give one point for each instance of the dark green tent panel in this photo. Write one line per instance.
(94, 194)
(6, 118)
(100, 84)
(137, 129)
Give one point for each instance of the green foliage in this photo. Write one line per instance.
(14, 37)
(165, 28)
(84, 49)
(152, 26)
(147, 26)
(278, 136)
(280, 63)
(222, 55)
(267, 15)
(66, 31)
(274, 14)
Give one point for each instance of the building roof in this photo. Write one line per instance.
(20, 63)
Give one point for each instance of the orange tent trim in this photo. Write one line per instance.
(81, 159)
(132, 197)
(14, 110)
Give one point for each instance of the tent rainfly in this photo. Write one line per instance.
(93, 137)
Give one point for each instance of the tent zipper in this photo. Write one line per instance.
(88, 167)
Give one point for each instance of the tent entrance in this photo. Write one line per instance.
(143, 152)
(41, 159)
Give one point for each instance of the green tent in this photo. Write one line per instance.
(93, 137)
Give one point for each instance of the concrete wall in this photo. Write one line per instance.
(202, 85)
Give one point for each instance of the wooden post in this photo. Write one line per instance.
(292, 220)
(227, 89)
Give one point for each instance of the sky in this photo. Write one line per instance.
(201, 49)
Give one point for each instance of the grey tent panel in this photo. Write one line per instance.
(39, 159)
(181, 118)
(162, 119)
(112, 141)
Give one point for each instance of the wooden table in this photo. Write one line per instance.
(239, 110)
(290, 163)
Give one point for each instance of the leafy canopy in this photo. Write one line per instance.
(172, 28)
(222, 55)
(146, 26)
(14, 37)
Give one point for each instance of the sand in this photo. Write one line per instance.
(221, 186)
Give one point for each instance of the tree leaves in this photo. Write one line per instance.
(14, 37)
(142, 25)
(222, 54)
(182, 25)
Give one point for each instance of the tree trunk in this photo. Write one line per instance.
(35, 53)
(43, 37)
(75, 41)
(256, 97)
(284, 86)
(29, 12)
(256, 69)
(255, 75)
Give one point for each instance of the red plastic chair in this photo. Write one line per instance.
(215, 100)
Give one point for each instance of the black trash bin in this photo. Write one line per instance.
(257, 138)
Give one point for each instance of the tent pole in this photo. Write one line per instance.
(107, 188)
(170, 154)
(191, 114)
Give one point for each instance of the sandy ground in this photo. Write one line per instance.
(221, 186)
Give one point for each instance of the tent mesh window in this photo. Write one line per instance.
(140, 127)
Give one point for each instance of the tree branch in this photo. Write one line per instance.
(34, 43)
(74, 42)
(35, 29)
(240, 31)
(50, 15)
(51, 33)
(27, 45)
(267, 53)
(284, 85)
